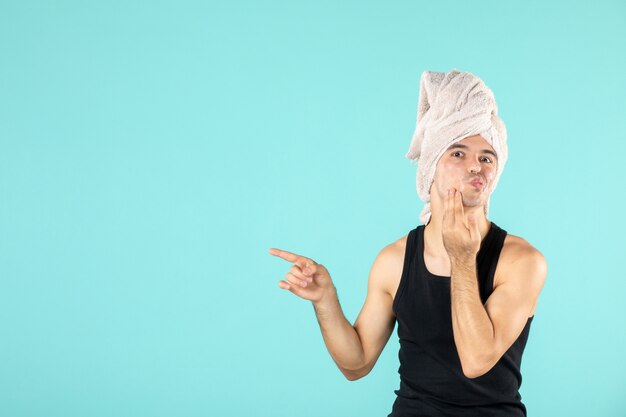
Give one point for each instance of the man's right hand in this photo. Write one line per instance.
(306, 278)
(354, 349)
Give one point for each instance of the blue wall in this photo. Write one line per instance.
(152, 152)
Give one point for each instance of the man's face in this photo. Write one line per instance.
(470, 166)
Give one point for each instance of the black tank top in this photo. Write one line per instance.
(432, 382)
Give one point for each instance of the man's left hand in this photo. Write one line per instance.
(461, 239)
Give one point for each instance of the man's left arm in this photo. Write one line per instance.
(483, 334)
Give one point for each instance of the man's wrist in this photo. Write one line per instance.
(328, 302)
(465, 263)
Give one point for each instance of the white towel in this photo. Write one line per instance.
(452, 106)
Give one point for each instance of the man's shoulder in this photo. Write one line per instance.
(518, 253)
(394, 251)
(515, 248)
(390, 262)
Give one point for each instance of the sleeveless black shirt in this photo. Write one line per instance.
(432, 382)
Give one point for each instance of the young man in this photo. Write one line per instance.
(462, 290)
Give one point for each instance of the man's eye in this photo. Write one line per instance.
(487, 159)
(454, 153)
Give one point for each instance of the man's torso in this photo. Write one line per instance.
(513, 247)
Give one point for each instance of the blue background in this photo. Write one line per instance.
(152, 152)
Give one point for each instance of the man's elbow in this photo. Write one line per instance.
(353, 375)
(472, 374)
(477, 370)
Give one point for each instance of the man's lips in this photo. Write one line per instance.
(477, 183)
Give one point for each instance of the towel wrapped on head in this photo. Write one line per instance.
(453, 106)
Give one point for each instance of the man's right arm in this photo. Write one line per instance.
(355, 349)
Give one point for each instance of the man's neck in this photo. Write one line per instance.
(432, 232)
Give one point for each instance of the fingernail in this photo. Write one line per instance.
(307, 271)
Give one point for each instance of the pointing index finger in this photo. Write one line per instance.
(291, 257)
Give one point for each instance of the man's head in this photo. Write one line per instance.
(469, 166)
(456, 108)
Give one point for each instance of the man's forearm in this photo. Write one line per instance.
(472, 327)
(342, 340)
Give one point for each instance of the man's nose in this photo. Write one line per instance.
(473, 166)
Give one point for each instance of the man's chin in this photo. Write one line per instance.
(471, 205)
(473, 200)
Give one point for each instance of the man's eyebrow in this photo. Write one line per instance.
(460, 145)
